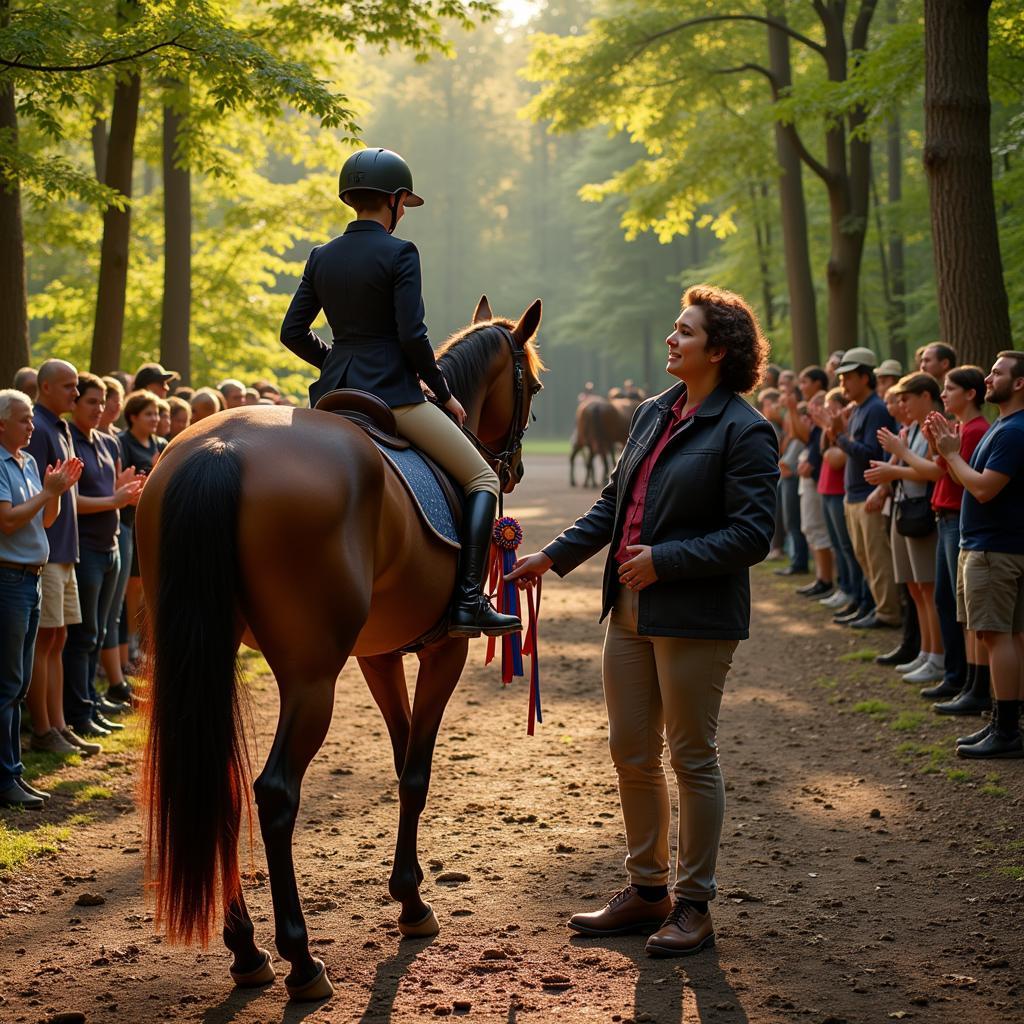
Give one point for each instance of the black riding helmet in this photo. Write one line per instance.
(378, 170)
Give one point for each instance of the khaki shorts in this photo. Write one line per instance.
(913, 558)
(990, 591)
(60, 597)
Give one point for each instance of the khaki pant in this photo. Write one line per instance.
(658, 688)
(430, 430)
(870, 537)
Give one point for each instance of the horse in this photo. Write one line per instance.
(284, 529)
(577, 445)
(599, 428)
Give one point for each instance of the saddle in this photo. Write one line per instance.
(377, 420)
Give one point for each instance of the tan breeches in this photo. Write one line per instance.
(660, 688)
(429, 429)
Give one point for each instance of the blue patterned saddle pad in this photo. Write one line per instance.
(426, 492)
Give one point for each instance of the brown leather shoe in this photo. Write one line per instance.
(625, 912)
(685, 931)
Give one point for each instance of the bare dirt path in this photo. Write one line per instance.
(866, 875)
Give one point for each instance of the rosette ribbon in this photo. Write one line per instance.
(506, 538)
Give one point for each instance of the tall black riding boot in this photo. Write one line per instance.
(472, 613)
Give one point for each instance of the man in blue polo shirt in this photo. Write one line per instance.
(26, 508)
(50, 444)
(990, 571)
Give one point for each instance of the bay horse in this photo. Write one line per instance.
(283, 528)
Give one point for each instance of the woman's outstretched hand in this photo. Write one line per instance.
(528, 570)
(638, 572)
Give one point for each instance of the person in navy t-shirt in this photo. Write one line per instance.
(990, 576)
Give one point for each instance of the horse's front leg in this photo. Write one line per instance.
(441, 666)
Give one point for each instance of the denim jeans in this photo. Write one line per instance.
(947, 551)
(789, 492)
(20, 599)
(97, 573)
(125, 544)
(850, 578)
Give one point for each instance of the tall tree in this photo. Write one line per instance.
(177, 297)
(14, 349)
(974, 310)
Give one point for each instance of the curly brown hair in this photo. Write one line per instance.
(731, 324)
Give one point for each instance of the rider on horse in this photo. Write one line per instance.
(368, 284)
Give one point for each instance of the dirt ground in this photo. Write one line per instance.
(865, 874)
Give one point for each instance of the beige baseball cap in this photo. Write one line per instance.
(857, 357)
(889, 368)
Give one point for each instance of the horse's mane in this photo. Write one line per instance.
(466, 355)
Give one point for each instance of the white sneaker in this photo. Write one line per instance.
(836, 600)
(928, 672)
(911, 666)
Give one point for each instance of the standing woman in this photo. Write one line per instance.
(140, 448)
(689, 508)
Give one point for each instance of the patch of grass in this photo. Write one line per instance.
(83, 790)
(937, 754)
(18, 845)
(1014, 871)
(908, 721)
(992, 787)
(874, 708)
(864, 654)
(958, 775)
(125, 740)
(545, 446)
(37, 765)
(826, 682)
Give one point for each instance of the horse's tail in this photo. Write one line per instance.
(197, 766)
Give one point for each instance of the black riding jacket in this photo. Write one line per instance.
(369, 286)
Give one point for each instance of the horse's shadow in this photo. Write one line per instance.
(662, 985)
(388, 976)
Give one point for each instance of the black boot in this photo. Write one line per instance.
(1004, 738)
(974, 698)
(977, 737)
(472, 613)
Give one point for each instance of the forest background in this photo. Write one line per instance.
(559, 158)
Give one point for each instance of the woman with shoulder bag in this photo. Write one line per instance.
(912, 472)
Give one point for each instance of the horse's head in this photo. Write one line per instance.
(493, 368)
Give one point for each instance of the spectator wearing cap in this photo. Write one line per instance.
(911, 474)
(889, 371)
(937, 359)
(252, 396)
(27, 507)
(967, 675)
(858, 438)
(233, 392)
(990, 573)
(832, 366)
(153, 377)
(51, 445)
(25, 381)
(102, 491)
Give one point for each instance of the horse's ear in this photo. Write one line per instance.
(482, 311)
(528, 324)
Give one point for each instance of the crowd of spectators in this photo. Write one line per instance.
(75, 450)
(904, 500)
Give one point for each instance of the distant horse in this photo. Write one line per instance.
(600, 429)
(286, 529)
(578, 446)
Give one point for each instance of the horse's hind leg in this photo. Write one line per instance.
(385, 676)
(307, 702)
(440, 668)
(252, 966)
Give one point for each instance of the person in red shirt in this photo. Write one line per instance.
(963, 394)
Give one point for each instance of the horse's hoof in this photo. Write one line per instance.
(263, 975)
(423, 928)
(319, 987)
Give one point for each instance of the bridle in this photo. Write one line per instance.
(502, 460)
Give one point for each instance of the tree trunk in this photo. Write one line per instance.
(803, 313)
(113, 277)
(98, 135)
(897, 318)
(175, 315)
(974, 315)
(14, 347)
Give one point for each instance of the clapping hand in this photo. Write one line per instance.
(879, 472)
(943, 435)
(128, 487)
(890, 442)
(62, 476)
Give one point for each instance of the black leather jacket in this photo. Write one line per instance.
(709, 515)
(368, 284)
